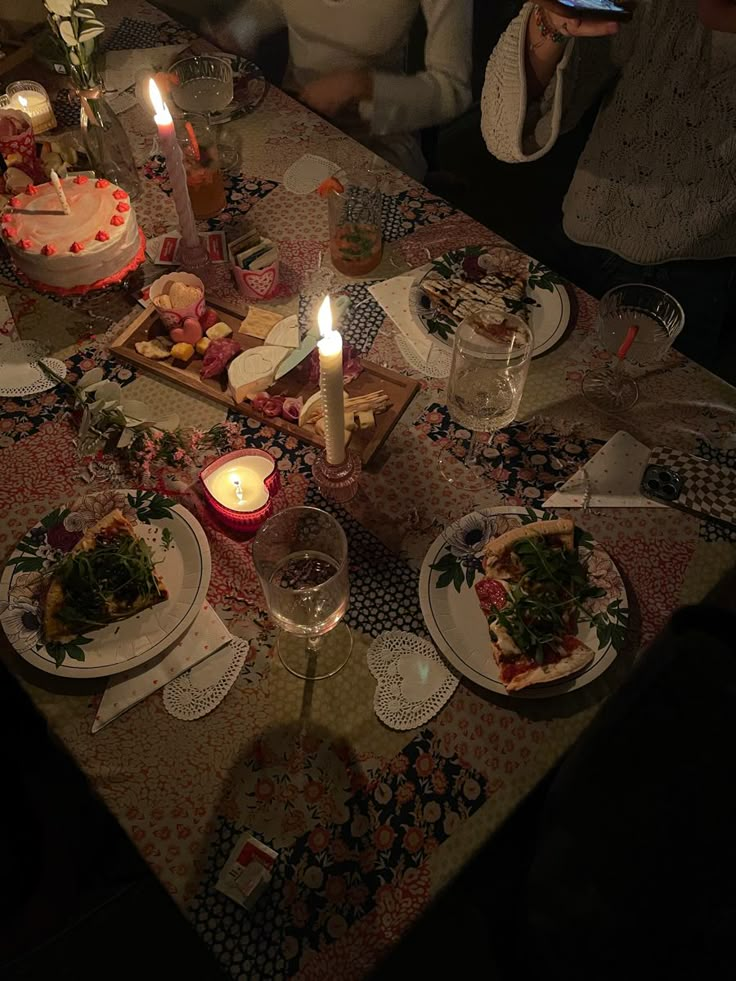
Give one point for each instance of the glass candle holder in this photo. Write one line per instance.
(32, 99)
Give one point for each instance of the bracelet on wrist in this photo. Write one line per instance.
(546, 29)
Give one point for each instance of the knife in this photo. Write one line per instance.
(339, 308)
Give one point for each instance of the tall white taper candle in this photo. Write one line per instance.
(175, 168)
(331, 385)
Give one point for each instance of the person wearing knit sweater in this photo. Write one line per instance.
(346, 60)
(653, 197)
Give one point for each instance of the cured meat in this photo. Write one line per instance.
(218, 356)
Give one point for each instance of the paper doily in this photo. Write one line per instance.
(413, 680)
(20, 371)
(200, 690)
(438, 365)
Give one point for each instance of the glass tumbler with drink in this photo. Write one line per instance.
(637, 324)
(203, 85)
(301, 557)
(489, 367)
(356, 231)
(202, 164)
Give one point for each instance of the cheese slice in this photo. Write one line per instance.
(285, 333)
(253, 371)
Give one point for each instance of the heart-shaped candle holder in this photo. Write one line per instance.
(240, 488)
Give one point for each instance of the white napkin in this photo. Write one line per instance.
(205, 636)
(613, 478)
(8, 330)
(393, 296)
(121, 67)
(307, 173)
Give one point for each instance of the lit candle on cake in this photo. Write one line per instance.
(176, 171)
(32, 99)
(331, 385)
(66, 207)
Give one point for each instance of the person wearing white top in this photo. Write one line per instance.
(653, 197)
(347, 59)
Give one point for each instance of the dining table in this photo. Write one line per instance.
(369, 823)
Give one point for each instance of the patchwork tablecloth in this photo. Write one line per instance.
(369, 823)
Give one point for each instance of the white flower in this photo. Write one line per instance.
(74, 521)
(360, 826)
(470, 534)
(22, 627)
(26, 590)
(62, 8)
(67, 33)
(383, 793)
(471, 789)
(432, 812)
(313, 877)
(451, 822)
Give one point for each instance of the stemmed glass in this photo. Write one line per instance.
(637, 324)
(487, 375)
(301, 557)
(204, 86)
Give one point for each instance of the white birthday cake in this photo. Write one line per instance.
(95, 245)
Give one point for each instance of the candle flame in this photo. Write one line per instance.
(324, 317)
(162, 114)
(23, 101)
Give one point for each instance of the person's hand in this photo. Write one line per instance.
(561, 20)
(330, 94)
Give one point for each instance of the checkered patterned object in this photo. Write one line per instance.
(708, 488)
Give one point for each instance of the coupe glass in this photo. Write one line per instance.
(301, 557)
(204, 86)
(659, 319)
(487, 375)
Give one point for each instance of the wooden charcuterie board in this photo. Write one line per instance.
(365, 443)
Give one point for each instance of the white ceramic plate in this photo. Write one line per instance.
(459, 627)
(547, 299)
(184, 566)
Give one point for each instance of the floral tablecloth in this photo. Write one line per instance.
(369, 823)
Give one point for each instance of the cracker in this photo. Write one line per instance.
(163, 302)
(259, 323)
(183, 296)
(158, 349)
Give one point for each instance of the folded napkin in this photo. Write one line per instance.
(610, 479)
(393, 295)
(8, 330)
(205, 636)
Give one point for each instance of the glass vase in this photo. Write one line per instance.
(106, 143)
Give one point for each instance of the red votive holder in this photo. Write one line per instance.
(240, 487)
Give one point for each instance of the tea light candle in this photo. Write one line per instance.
(32, 99)
(331, 384)
(239, 487)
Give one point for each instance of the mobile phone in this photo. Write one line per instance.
(598, 9)
(700, 487)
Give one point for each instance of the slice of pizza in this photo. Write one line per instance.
(493, 296)
(109, 575)
(516, 600)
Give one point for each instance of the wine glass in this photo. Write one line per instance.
(487, 375)
(204, 86)
(301, 557)
(636, 323)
